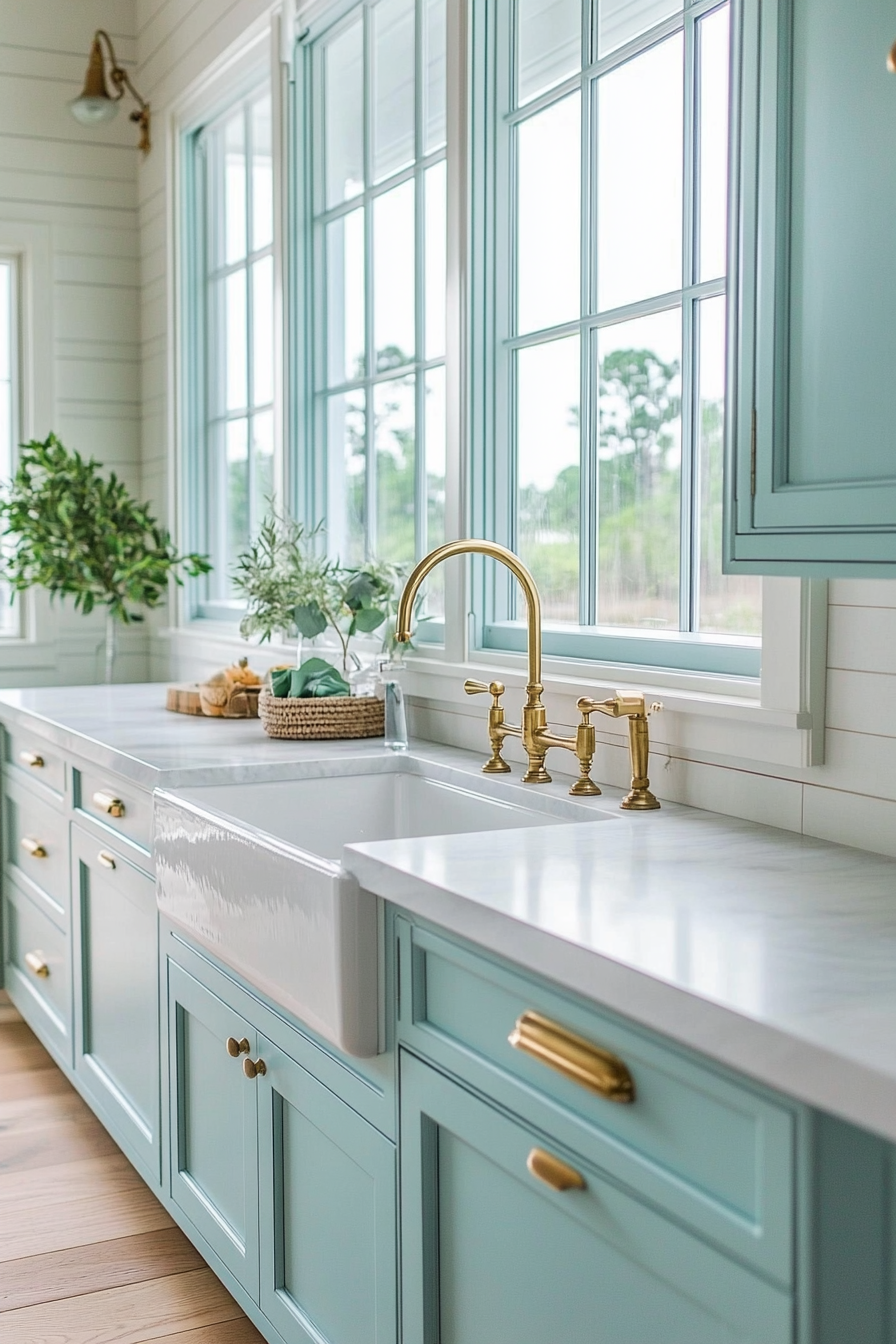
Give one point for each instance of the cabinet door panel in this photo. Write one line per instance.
(37, 970)
(213, 1125)
(819, 277)
(490, 1252)
(116, 996)
(328, 1231)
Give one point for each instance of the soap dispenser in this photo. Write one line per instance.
(392, 693)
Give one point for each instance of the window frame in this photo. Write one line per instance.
(494, 342)
(228, 85)
(311, 385)
(777, 717)
(11, 622)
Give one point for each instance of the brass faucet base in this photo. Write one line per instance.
(536, 775)
(584, 788)
(640, 800)
(496, 765)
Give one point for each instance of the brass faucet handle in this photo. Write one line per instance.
(494, 688)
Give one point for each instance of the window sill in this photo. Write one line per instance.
(773, 721)
(719, 721)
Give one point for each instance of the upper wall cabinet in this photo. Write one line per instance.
(812, 460)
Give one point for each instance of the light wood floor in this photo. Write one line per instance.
(87, 1253)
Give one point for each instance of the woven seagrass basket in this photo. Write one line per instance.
(326, 716)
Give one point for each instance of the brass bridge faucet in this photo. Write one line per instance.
(533, 730)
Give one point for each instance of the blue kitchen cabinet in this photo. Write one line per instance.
(214, 1131)
(327, 1212)
(290, 1187)
(116, 996)
(494, 1248)
(812, 467)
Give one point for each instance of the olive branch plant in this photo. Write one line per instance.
(291, 587)
(82, 535)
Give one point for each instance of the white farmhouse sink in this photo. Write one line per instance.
(253, 872)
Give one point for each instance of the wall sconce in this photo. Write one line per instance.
(95, 103)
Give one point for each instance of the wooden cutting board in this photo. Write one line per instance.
(183, 698)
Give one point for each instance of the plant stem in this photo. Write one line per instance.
(110, 646)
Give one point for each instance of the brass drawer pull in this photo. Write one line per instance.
(236, 1048)
(573, 1056)
(558, 1175)
(36, 965)
(31, 758)
(253, 1067)
(106, 859)
(109, 803)
(33, 847)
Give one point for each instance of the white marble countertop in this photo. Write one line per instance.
(768, 951)
(128, 730)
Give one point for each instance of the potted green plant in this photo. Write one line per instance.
(291, 588)
(82, 535)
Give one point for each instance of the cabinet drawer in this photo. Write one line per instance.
(116, 803)
(37, 970)
(29, 756)
(508, 1236)
(37, 848)
(712, 1151)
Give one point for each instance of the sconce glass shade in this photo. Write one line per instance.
(94, 104)
(90, 111)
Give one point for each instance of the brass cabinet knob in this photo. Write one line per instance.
(31, 759)
(236, 1048)
(549, 1169)
(573, 1056)
(891, 59)
(253, 1067)
(33, 847)
(106, 859)
(107, 802)
(36, 965)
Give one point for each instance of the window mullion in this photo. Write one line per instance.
(420, 476)
(252, 503)
(589, 396)
(369, 295)
(688, 563)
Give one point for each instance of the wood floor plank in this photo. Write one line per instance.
(81, 1222)
(23, 1149)
(88, 1269)
(15, 1057)
(8, 1014)
(126, 1315)
(29, 1113)
(16, 1032)
(95, 1177)
(42, 1082)
(240, 1331)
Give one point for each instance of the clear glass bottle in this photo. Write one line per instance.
(396, 734)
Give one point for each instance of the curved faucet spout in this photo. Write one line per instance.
(473, 547)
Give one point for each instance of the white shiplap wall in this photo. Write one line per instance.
(68, 195)
(852, 798)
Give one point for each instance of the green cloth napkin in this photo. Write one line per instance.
(315, 677)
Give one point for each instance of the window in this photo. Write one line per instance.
(376, 142)
(601, 228)
(9, 427)
(232, 363)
